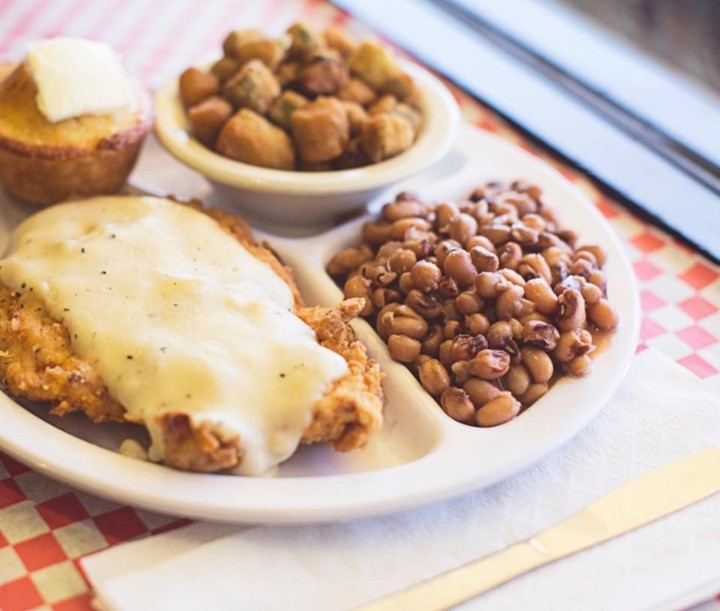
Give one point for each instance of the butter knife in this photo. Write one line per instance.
(645, 499)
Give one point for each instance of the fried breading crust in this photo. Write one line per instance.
(37, 363)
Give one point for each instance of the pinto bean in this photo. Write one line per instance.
(458, 265)
(591, 293)
(480, 391)
(402, 209)
(376, 234)
(444, 248)
(497, 234)
(419, 242)
(581, 267)
(348, 260)
(405, 283)
(490, 364)
(469, 302)
(500, 337)
(597, 251)
(483, 259)
(404, 321)
(517, 379)
(383, 296)
(451, 328)
(433, 375)
(511, 303)
(403, 348)
(457, 404)
(501, 409)
(444, 213)
(540, 334)
(538, 363)
(490, 284)
(400, 227)
(603, 315)
(460, 372)
(426, 276)
(462, 227)
(483, 242)
(424, 304)
(524, 235)
(432, 341)
(572, 310)
(534, 221)
(544, 299)
(358, 286)
(477, 324)
(466, 346)
(580, 366)
(448, 288)
(572, 344)
(510, 255)
(533, 393)
(534, 266)
(402, 260)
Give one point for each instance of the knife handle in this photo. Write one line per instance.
(458, 585)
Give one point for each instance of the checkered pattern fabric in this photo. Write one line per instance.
(45, 526)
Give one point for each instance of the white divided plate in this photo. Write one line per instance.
(420, 455)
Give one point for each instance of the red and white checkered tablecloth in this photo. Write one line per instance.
(46, 527)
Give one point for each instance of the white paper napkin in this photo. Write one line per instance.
(661, 413)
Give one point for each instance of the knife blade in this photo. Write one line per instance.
(641, 501)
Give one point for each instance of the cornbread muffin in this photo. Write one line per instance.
(44, 162)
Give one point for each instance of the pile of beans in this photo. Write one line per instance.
(488, 301)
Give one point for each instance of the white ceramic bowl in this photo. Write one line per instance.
(287, 199)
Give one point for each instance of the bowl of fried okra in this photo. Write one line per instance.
(306, 127)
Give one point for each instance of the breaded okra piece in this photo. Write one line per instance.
(323, 74)
(207, 118)
(374, 64)
(283, 106)
(320, 130)
(386, 135)
(196, 85)
(251, 138)
(254, 87)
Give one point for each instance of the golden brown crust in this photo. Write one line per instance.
(200, 447)
(351, 411)
(43, 162)
(37, 363)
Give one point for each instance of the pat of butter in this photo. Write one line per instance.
(76, 77)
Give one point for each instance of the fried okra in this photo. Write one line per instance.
(253, 87)
(283, 107)
(357, 91)
(196, 86)
(356, 116)
(304, 40)
(320, 130)
(318, 100)
(323, 74)
(385, 135)
(251, 138)
(207, 119)
(374, 64)
(338, 39)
